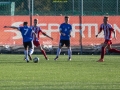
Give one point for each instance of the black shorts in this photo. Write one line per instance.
(66, 42)
(28, 44)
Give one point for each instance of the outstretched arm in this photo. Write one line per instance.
(11, 27)
(47, 35)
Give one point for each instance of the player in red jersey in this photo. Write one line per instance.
(108, 30)
(36, 42)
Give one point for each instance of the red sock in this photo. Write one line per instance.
(114, 50)
(43, 52)
(102, 52)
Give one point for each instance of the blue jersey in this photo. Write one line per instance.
(26, 33)
(65, 28)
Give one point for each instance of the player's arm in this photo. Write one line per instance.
(70, 34)
(60, 30)
(46, 35)
(70, 31)
(11, 27)
(99, 32)
(114, 33)
(34, 34)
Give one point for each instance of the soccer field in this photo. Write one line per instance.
(82, 73)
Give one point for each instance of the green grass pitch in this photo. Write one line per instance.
(82, 73)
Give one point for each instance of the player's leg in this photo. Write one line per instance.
(43, 52)
(37, 44)
(103, 52)
(31, 49)
(26, 51)
(112, 49)
(69, 53)
(58, 53)
(61, 43)
(67, 43)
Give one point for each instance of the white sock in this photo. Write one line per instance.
(69, 52)
(31, 51)
(26, 54)
(58, 51)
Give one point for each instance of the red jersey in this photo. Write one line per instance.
(107, 31)
(37, 30)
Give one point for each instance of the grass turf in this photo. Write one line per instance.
(82, 73)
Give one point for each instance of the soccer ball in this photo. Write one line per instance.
(35, 60)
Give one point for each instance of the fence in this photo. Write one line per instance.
(57, 7)
(85, 13)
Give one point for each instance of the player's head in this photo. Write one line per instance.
(66, 19)
(35, 22)
(25, 23)
(105, 19)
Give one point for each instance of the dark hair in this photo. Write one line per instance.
(66, 17)
(106, 17)
(25, 23)
(35, 19)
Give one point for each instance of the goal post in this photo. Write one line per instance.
(12, 8)
(7, 6)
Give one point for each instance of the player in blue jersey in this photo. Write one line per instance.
(65, 34)
(26, 33)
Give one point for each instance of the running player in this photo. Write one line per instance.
(108, 30)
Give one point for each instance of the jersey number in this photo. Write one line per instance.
(26, 30)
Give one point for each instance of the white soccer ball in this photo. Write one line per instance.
(35, 60)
